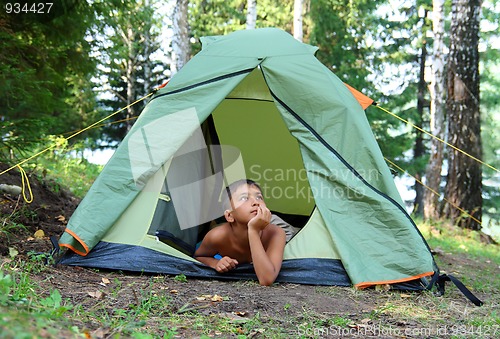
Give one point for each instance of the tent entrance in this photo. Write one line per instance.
(249, 121)
(245, 137)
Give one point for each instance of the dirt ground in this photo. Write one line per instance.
(287, 305)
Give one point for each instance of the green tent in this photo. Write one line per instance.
(256, 104)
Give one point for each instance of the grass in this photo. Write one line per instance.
(25, 313)
(28, 310)
(444, 238)
(62, 169)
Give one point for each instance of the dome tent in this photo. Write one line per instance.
(254, 103)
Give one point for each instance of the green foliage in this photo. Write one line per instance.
(180, 278)
(339, 30)
(356, 54)
(460, 241)
(10, 225)
(40, 54)
(29, 310)
(125, 37)
(53, 304)
(74, 174)
(220, 17)
(25, 312)
(5, 287)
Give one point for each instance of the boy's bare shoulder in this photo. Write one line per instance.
(273, 230)
(219, 233)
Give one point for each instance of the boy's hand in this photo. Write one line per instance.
(225, 264)
(261, 220)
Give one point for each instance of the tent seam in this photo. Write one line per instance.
(205, 82)
(348, 166)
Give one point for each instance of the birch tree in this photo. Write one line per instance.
(437, 118)
(464, 186)
(297, 20)
(251, 14)
(180, 42)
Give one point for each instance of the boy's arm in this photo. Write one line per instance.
(205, 254)
(267, 263)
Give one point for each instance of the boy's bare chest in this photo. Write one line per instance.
(239, 251)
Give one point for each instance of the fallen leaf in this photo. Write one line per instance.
(99, 333)
(383, 287)
(174, 291)
(403, 295)
(39, 234)
(96, 294)
(13, 252)
(234, 318)
(209, 297)
(241, 314)
(216, 298)
(105, 281)
(61, 218)
(257, 331)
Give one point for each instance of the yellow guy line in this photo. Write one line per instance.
(108, 123)
(436, 193)
(437, 138)
(26, 182)
(78, 132)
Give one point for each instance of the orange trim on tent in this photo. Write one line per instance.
(163, 85)
(363, 100)
(84, 245)
(371, 283)
(73, 249)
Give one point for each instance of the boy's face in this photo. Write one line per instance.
(245, 201)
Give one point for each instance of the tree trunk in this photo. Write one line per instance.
(419, 149)
(147, 52)
(130, 77)
(437, 121)
(464, 186)
(297, 20)
(251, 13)
(180, 39)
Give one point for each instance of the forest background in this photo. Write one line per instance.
(64, 69)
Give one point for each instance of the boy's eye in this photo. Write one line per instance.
(260, 197)
(243, 198)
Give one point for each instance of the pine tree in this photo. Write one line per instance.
(464, 184)
(45, 75)
(129, 40)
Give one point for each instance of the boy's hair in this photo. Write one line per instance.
(233, 187)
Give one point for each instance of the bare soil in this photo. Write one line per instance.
(291, 307)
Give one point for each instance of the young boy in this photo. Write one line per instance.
(246, 237)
